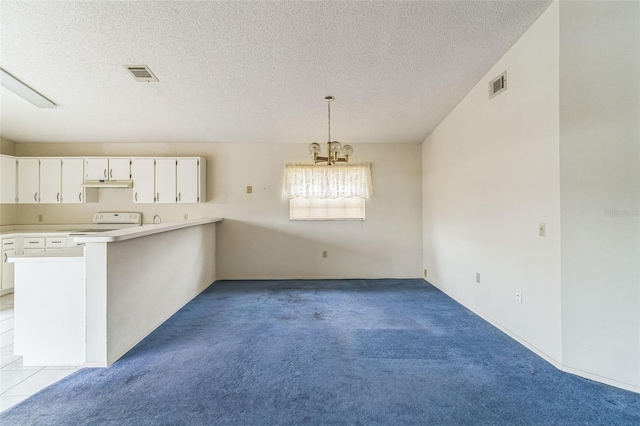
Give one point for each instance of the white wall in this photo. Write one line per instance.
(256, 239)
(490, 176)
(561, 146)
(600, 188)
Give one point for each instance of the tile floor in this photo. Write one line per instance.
(16, 381)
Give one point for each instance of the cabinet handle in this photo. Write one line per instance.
(35, 197)
(33, 242)
(136, 196)
(105, 173)
(5, 257)
(58, 196)
(80, 196)
(111, 173)
(179, 196)
(158, 196)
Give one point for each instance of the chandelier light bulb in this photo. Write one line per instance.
(335, 147)
(314, 148)
(347, 150)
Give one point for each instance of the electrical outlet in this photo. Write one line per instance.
(40, 218)
(542, 229)
(478, 277)
(249, 189)
(185, 216)
(518, 295)
(324, 254)
(425, 273)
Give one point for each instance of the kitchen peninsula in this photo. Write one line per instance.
(88, 305)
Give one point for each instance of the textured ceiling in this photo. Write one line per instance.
(248, 71)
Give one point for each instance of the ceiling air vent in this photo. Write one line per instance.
(141, 73)
(498, 85)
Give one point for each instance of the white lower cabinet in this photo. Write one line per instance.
(6, 268)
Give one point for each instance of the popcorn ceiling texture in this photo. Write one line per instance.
(249, 71)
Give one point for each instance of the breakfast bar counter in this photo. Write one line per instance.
(107, 294)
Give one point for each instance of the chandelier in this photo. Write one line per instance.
(334, 149)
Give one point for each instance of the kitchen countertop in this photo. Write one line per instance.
(140, 231)
(18, 230)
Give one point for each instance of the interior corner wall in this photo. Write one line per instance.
(7, 147)
(490, 176)
(600, 189)
(256, 239)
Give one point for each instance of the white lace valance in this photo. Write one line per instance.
(322, 181)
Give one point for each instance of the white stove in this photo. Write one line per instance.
(110, 221)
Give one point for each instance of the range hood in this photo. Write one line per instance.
(107, 184)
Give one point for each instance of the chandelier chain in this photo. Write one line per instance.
(329, 108)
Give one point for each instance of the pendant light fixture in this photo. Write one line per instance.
(334, 149)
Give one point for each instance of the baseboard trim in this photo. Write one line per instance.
(557, 364)
(336, 277)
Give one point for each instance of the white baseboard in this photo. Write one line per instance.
(557, 364)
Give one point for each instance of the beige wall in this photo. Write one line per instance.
(256, 238)
(600, 187)
(490, 176)
(7, 147)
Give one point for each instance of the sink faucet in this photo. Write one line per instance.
(157, 217)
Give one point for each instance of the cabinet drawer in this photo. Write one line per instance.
(56, 242)
(33, 242)
(9, 243)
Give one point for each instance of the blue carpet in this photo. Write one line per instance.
(326, 352)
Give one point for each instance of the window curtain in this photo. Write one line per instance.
(322, 181)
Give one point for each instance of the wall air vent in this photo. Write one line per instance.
(498, 85)
(141, 73)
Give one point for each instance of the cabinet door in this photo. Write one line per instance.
(28, 180)
(50, 180)
(7, 180)
(6, 276)
(165, 180)
(119, 169)
(72, 179)
(142, 173)
(188, 180)
(96, 168)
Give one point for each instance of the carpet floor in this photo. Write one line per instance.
(326, 352)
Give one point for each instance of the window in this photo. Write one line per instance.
(321, 192)
(326, 208)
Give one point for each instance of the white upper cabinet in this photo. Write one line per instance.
(107, 169)
(96, 168)
(7, 179)
(142, 173)
(119, 169)
(50, 180)
(28, 180)
(166, 180)
(72, 180)
(191, 180)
